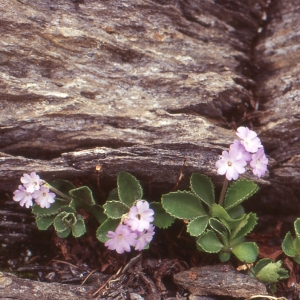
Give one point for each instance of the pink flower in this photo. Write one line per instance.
(231, 164)
(259, 163)
(140, 216)
(31, 182)
(121, 239)
(22, 196)
(144, 238)
(249, 139)
(240, 149)
(43, 197)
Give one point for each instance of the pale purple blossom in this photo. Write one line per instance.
(249, 139)
(241, 151)
(140, 216)
(231, 164)
(23, 197)
(43, 197)
(121, 239)
(31, 182)
(144, 238)
(259, 163)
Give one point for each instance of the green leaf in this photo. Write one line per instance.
(245, 226)
(209, 242)
(246, 252)
(98, 212)
(161, 218)
(217, 211)
(79, 228)
(224, 256)
(270, 272)
(64, 234)
(103, 229)
(238, 192)
(261, 264)
(297, 227)
(113, 195)
(82, 198)
(217, 226)
(203, 187)
(129, 188)
(63, 221)
(197, 225)
(183, 205)
(63, 186)
(43, 223)
(297, 259)
(288, 245)
(236, 212)
(52, 210)
(115, 209)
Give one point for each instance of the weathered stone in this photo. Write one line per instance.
(12, 287)
(219, 280)
(159, 76)
(278, 91)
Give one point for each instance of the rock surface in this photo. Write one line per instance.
(278, 88)
(143, 84)
(219, 280)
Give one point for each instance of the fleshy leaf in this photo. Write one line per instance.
(297, 227)
(129, 188)
(43, 223)
(82, 198)
(246, 252)
(197, 225)
(203, 187)
(161, 218)
(238, 192)
(288, 245)
(63, 221)
(63, 186)
(236, 212)
(113, 195)
(79, 228)
(217, 226)
(64, 234)
(209, 242)
(103, 229)
(271, 272)
(115, 209)
(224, 256)
(217, 211)
(245, 226)
(183, 205)
(98, 212)
(52, 210)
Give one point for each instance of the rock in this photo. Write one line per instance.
(278, 89)
(139, 87)
(219, 280)
(12, 287)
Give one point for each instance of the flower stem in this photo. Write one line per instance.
(53, 189)
(224, 188)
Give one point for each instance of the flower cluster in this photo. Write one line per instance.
(33, 188)
(136, 230)
(248, 150)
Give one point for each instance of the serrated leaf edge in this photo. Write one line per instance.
(242, 199)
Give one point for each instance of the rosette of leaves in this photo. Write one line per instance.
(290, 245)
(217, 228)
(122, 199)
(267, 271)
(63, 214)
